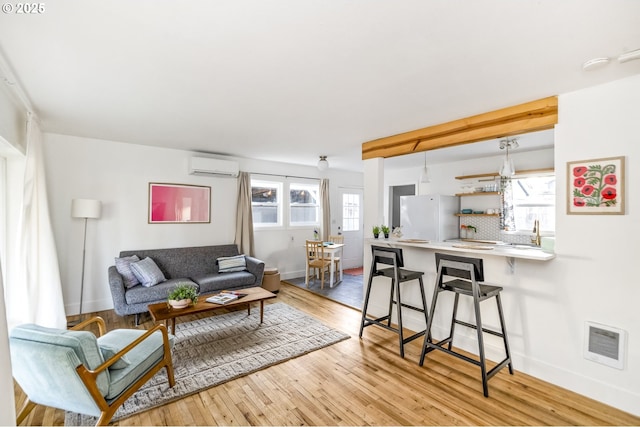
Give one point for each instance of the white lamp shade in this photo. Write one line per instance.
(86, 208)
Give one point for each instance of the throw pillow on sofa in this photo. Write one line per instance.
(231, 263)
(123, 265)
(147, 272)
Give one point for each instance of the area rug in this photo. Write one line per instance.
(213, 350)
(354, 271)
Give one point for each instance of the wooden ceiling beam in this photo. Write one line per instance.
(528, 117)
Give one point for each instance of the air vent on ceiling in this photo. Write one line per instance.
(213, 167)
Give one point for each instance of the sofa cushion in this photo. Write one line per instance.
(83, 343)
(142, 357)
(140, 294)
(230, 264)
(147, 272)
(216, 282)
(123, 265)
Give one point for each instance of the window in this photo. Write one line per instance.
(266, 203)
(534, 197)
(350, 212)
(304, 204)
(271, 208)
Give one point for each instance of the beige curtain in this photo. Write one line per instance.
(244, 218)
(326, 209)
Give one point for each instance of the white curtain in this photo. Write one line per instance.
(326, 209)
(244, 217)
(34, 294)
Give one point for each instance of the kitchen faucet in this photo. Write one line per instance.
(535, 239)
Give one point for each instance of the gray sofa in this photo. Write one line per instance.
(195, 265)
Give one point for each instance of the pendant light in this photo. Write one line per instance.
(507, 169)
(424, 175)
(323, 164)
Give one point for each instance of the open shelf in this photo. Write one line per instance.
(479, 193)
(472, 214)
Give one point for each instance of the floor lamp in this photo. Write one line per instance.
(85, 208)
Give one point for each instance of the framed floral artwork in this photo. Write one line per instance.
(596, 187)
(178, 204)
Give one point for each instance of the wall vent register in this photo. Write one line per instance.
(604, 344)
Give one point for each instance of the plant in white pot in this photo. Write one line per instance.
(183, 295)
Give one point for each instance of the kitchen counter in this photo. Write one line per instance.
(471, 247)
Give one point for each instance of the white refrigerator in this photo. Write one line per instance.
(430, 217)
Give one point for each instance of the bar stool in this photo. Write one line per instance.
(467, 273)
(397, 274)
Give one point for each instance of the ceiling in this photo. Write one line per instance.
(289, 80)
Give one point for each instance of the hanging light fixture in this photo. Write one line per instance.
(424, 175)
(508, 170)
(323, 164)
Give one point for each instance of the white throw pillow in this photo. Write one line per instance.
(231, 263)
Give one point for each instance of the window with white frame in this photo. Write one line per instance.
(350, 212)
(534, 197)
(266, 203)
(304, 204)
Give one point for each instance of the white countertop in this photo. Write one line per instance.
(505, 250)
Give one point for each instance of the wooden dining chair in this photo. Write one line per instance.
(316, 260)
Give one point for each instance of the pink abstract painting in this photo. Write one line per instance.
(176, 203)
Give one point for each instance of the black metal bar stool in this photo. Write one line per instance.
(397, 274)
(466, 274)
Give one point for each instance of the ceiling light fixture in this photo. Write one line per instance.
(323, 164)
(508, 170)
(629, 56)
(594, 63)
(424, 175)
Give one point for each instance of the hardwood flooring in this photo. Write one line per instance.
(365, 382)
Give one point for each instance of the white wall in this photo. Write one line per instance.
(12, 132)
(593, 277)
(118, 174)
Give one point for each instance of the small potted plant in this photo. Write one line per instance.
(385, 231)
(183, 295)
(376, 231)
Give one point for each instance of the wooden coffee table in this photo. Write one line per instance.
(163, 311)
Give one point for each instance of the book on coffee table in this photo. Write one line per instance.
(222, 298)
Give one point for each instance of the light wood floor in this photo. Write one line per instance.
(365, 382)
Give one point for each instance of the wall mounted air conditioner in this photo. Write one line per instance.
(206, 166)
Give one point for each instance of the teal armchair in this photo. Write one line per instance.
(76, 371)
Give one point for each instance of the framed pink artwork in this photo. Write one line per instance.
(178, 204)
(596, 187)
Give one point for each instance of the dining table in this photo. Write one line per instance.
(331, 249)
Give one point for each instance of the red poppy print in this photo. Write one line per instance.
(595, 186)
(579, 170)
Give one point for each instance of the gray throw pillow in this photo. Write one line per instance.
(123, 265)
(231, 263)
(147, 272)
